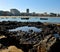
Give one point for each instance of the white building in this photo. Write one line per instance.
(15, 12)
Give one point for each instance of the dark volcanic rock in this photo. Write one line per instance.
(55, 47)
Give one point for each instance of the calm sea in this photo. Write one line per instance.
(31, 19)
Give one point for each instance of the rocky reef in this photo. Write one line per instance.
(24, 40)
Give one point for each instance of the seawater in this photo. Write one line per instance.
(31, 19)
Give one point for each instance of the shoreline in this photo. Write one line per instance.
(34, 16)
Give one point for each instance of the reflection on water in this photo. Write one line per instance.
(26, 28)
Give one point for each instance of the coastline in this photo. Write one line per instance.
(33, 16)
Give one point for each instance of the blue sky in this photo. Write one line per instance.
(34, 5)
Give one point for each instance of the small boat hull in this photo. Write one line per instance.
(24, 18)
(43, 18)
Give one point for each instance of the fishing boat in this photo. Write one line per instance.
(43, 18)
(24, 18)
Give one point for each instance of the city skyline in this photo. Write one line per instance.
(38, 6)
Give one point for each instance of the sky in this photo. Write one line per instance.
(38, 6)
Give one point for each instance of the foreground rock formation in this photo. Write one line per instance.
(28, 42)
(11, 49)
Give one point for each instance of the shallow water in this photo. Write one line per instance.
(56, 36)
(26, 28)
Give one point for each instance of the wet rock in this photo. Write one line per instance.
(1, 46)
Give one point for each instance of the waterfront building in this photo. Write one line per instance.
(53, 14)
(5, 13)
(1, 13)
(15, 12)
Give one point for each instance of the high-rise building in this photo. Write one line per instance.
(15, 12)
(27, 10)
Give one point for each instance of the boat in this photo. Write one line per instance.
(43, 18)
(24, 18)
